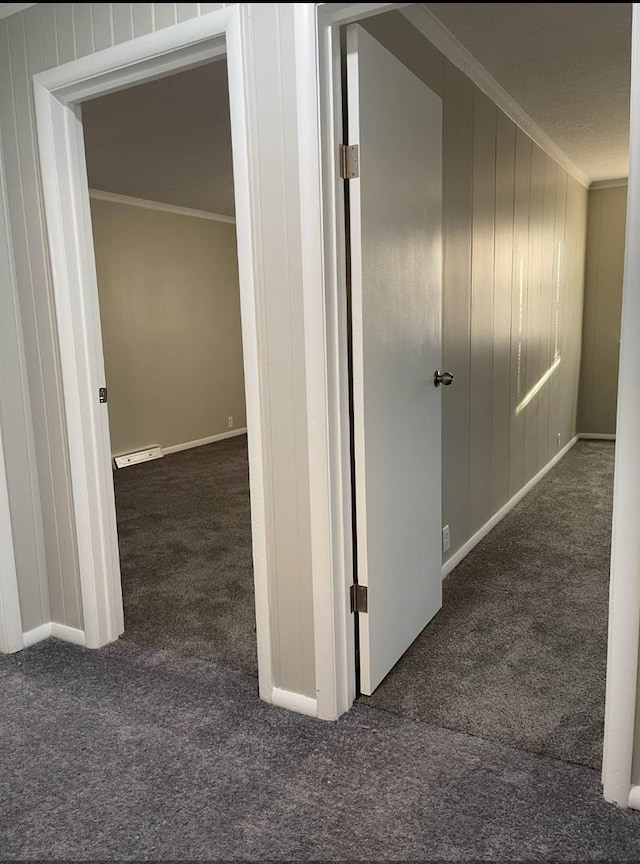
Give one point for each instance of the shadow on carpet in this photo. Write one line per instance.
(184, 529)
(517, 653)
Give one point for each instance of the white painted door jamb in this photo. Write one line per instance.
(10, 613)
(10, 617)
(620, 737)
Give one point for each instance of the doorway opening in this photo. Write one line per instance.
(160, 172)
(518, 651)
(59, 95)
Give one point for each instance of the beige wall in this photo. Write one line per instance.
(514, 226)
(170, 313)
(606, 224)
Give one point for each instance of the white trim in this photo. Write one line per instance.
(146, 204)
(457, 557)
(634, 798)
(330, 513)
(7, 9)
(38, 634)
(609, 184)
(621, 704)
(424, 20)
(67, 634)
(211, 439)
(294, 702)
(10, 613)
(58, 94)
(596, 436)
(10, 616)
(56, 631)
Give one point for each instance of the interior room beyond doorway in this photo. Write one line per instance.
(162, 204)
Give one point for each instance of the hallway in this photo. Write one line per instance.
(169, 756)
(517, 654)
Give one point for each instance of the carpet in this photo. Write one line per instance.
(184, 530)
(126, 753)
(517, 654)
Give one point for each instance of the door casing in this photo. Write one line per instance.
(58, 95)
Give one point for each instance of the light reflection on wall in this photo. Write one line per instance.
(557, 351)
(537, 387)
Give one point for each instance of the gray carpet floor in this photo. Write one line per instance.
(132, 754)
(184, 530)
(517, 654)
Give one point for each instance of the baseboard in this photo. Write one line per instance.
(455, 559)
(58, 631)
(38, 634)
(634, 798)
(176, 448)
(67, 634)
(596, 436)
(294, 702)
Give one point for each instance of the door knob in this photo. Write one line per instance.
(444, 378)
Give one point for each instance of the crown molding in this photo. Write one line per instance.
(114, 198)
(434, 30)
(7, 9)
(609, 184)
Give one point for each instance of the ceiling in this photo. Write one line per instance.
(169, 140)
(568, 65)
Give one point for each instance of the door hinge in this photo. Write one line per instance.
(359, 595)
(349, 162)
(102, 394)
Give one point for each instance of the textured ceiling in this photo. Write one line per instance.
(169, 140)
(567, 64)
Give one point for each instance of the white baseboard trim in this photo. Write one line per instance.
(457, 557)
(68, 634)
(175, 448)
(634, 798)
(58, 631)
(596, 436)
(38, 634)
(294, 702)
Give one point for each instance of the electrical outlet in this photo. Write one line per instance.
(230, 422)
(559, 440)
(446, 539)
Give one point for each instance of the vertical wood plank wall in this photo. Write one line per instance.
(42, 37)
(606, 224)
(514, 248)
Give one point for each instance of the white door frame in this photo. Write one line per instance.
(58, 94)
(320, 125)
(621, 706)
(10, 616)
(319, 111)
